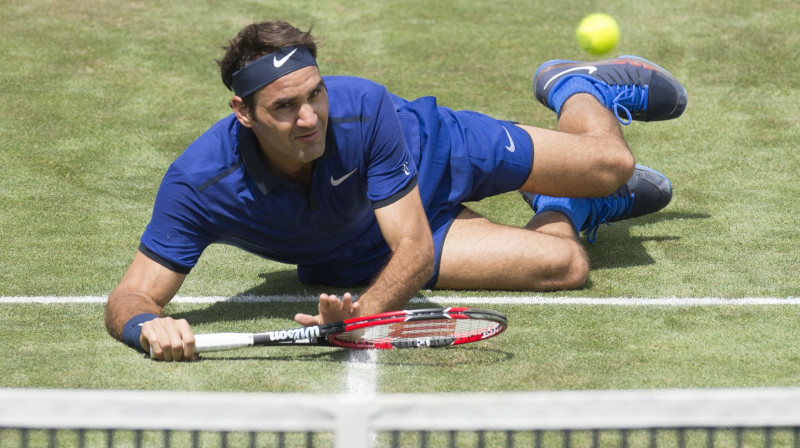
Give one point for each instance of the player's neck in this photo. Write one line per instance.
(292, 170)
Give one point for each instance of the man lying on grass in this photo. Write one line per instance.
(357, 186)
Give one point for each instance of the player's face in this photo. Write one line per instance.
(291, 118)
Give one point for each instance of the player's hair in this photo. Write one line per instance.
(256, 40)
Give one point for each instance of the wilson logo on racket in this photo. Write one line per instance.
(296, 333)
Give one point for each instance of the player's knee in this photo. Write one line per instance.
(625, 168)
(575, 268)
(578, 273)
(617, 168)
(569, 267)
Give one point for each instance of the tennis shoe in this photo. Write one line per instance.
(631, 87)
(647, 191)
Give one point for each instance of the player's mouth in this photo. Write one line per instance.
(308, 137)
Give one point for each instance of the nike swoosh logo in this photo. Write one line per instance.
(511, 148)
(279, 62)
(336, 182)
(589, 68)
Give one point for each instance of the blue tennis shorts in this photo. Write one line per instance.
(462, 156)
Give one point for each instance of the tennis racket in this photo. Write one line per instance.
(436, 327)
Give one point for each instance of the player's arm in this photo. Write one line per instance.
(140, 298)
(407, 232)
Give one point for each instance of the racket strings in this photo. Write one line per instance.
(419, 329)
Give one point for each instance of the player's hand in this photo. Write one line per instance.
(331, 309)
(168, 339)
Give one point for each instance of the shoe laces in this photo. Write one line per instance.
(627, 97)
(607, 209)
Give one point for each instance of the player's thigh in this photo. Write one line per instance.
(577, 165)
(480, 254)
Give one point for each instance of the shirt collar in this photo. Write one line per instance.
(263, 177)
(259, 171)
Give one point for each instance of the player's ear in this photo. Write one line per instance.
(241, 111)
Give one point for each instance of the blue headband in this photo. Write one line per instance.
(270, 67)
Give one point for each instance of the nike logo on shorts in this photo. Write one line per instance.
(336, 182)
(511, 148)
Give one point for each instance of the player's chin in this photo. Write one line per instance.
(312, 151)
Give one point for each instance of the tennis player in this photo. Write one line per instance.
(355, 185)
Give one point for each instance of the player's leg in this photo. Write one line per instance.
(544, 256)
(584, 172)
(588, 155)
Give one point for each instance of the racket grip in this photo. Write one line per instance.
(216, 342)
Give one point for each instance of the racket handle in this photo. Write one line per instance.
(216, 342)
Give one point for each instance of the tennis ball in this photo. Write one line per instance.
(598, 33)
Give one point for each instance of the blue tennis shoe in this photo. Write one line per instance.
(631, 87)
(647, 191)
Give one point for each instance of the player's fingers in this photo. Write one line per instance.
(187, 338)
(331, 309)
(329, 302)
(148, 335)
(355, 309)
(164, 339)
(155, 338)
(170, 340)
(307, 320)
(350, 307)
(175, 330)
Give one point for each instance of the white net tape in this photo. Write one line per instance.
(350, 419)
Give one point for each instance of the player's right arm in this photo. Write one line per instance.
(143, 292)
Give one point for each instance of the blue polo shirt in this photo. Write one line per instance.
(220, 191)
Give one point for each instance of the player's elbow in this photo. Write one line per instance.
(427, 258)
(111, 319)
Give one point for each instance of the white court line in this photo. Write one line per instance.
(439, 300)
(362, 373)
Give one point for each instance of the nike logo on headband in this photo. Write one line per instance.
(279, 62)
(270, 67)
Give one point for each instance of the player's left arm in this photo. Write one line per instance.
(407, 232)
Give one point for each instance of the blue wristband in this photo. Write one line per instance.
(133, 330)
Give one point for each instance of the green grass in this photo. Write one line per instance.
(545, 348)
(100, 96)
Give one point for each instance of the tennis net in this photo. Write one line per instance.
(768, 417)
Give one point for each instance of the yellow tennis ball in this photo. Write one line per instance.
(598, 33)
